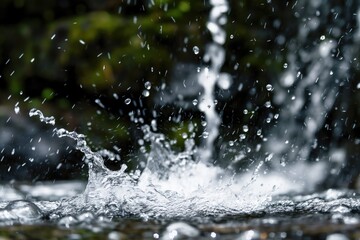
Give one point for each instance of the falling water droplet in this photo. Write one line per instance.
(146, 93)
(245, 128)
(196, 50)
(205, 134)
(147, 85)
(195, 102)
(269, 87)
(98, 102)
(17, 108)
(268, 104)
(127, 101)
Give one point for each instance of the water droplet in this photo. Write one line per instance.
(184, 135)
(127, 101)
(288, 79)
(196, 50)
(269, 87)
(205, 134)
(268, 104)
(242, 136)
(147, 85)
(224, 81)
(82, 42)
(245, 128)
(285, 65)
(98, 102)
(141, 142)
(146, 93)
(322, 37)
(231, 36)
(17, 109)
(195, 102)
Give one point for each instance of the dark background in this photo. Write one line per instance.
(63, 57)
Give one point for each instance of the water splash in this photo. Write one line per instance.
(47, 120)
(171, 185)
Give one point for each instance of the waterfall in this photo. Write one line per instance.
(317, 70)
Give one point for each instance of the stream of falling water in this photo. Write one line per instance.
(210, 76)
